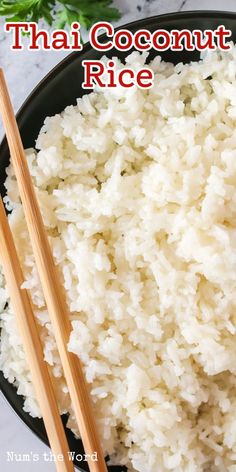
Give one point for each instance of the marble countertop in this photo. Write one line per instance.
(23, 71)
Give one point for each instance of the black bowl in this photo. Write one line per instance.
(60, 88)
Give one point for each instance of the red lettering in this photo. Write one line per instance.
(178, 36)
(75, 34)
(144, 78)
(92, 73)
(123, 45)
(36, 35)
(60, 40)
(204, 40)
(142, 45)
(121, 75)
(111, 74)
(165, 44)
(222, 34)
(93, 35)
(17, 29)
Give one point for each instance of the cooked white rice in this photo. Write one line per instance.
(137, 190)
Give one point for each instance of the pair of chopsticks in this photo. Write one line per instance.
(57, 308)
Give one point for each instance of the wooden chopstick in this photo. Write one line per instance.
(53, 291)
(32, 346)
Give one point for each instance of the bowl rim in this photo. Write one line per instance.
(191, 14)
(87, 46)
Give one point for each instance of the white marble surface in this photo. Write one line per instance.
(23, 71)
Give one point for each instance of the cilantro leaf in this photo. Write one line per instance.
(59, 12)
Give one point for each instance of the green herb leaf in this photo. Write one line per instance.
(59, 13)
